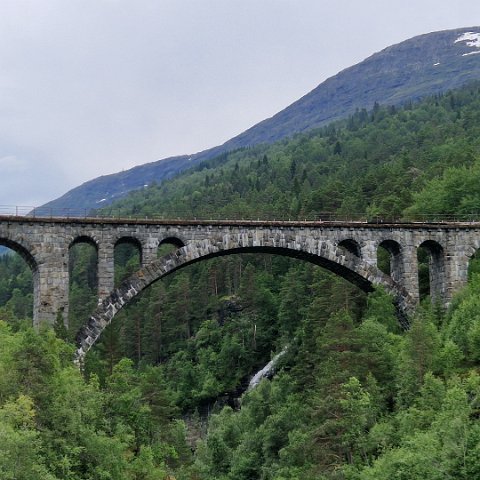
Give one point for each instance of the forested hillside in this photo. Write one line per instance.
(354, 397)
(416, 68)
(373, 163)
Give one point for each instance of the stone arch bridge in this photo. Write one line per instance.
(348, 249)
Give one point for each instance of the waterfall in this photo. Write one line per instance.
(267, 371)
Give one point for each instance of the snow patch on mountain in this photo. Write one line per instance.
(471, 39)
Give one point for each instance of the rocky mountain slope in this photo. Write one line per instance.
(418, 67)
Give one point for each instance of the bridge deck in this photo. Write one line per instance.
(243, 222)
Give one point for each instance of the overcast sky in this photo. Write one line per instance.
(92, 87)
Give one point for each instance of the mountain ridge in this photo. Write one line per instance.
(407, 71)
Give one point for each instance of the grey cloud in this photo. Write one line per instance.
(94, 86)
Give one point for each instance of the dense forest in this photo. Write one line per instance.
(354, 397)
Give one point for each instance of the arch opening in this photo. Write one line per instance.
(352, 269)
(168, 245)
(83, 280)
(431, 270)
(240, 292)
(474, 264)
(83, 240)
(351, 246)
(127, 258)
(19, 283)
(389, 259)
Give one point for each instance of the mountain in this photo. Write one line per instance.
(405, 72)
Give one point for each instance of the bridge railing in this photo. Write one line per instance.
(112, 213)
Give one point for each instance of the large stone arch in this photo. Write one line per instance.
(321, 253)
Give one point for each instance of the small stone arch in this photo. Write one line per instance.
(91, 274)
(129, 240)
(395, 259)
(28, 254)
(169, 244)
(436, 269)
(178, 242)
(125, 249)
(351, 246)
(320, 253)
(472, 254)
(83, 239)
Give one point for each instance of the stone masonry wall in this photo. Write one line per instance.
(45, 243)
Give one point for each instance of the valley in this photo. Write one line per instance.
(355, 395)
